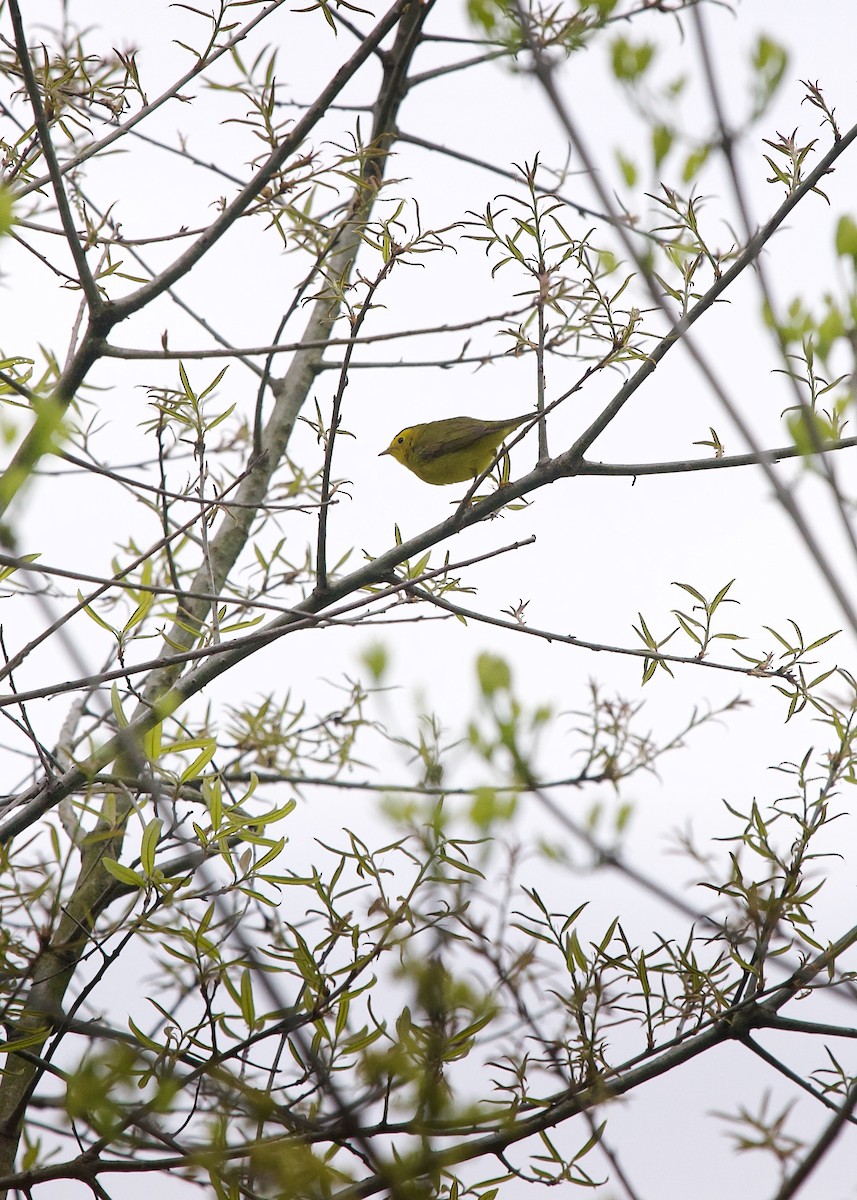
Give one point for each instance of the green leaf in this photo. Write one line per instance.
(721, 596)
(211, 388)
(123, 874)
(631, 62)
(686, 587)
(140, 612)
(484, 13)
(5, 572)
(375, 659)
(270, 856)
(144, 1039)
(769, 61)
(7, 219)
(846, 238)
(488, 807)
(90, 612)
(574, 952)
(260, 820)
(662, 140)
(416, 571)
(152, 742)
(248, 1008)
(808, 431)
(151, 837)
(694, 163)
(831, 327)
(28, 1039)
(604, 8)
(628, 168)
(116, 705)
(493, 674)
(206, 754)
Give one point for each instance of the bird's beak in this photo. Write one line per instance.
(383, 452)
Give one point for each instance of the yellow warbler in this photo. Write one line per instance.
(453, 450)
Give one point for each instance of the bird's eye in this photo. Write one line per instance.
(400, 440)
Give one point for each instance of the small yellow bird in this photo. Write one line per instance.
(453, 450)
